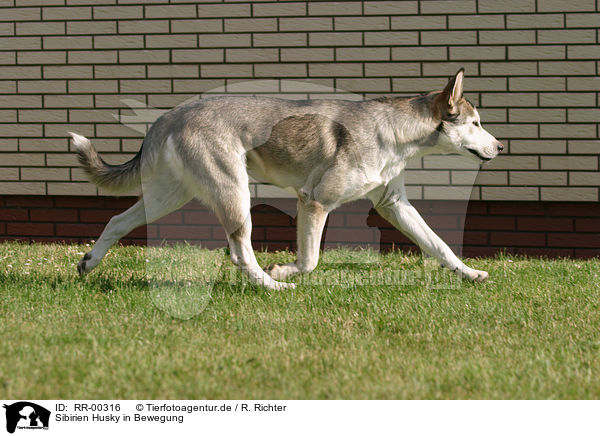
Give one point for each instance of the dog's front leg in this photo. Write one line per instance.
(401, 214)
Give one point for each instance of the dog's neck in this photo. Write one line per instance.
(410, 128)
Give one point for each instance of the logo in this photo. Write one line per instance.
(26, 415)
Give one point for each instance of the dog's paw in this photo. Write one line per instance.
(281, 272)
(273, 271)
(84, 266)
(477, 276)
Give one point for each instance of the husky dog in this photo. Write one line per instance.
(328, 151)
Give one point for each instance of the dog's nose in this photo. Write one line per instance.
(500, 146)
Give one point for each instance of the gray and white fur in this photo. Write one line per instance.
(328, 151)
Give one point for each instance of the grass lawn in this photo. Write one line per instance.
(360, 326)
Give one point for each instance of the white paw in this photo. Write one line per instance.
(281, 272)
(476, 275)
(482, 276)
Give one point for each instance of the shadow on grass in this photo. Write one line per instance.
(351, 266)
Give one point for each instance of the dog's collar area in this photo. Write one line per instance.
(440, 127)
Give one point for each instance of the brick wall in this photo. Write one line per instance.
(82, 65)
(475, 228)
(532, 69)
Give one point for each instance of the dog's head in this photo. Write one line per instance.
(459, 125)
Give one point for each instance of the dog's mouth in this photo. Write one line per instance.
(479, 155)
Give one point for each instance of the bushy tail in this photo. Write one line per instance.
(113, 177)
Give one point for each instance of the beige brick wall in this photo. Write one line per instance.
(532, 69)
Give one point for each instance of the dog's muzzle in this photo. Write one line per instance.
(479, 155)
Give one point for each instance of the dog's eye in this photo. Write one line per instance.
(476, 123)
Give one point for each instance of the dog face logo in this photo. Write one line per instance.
(26, 415)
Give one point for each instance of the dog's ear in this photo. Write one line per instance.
(453, 91)
(446, 102)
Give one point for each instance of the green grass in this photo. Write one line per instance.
(531, 331)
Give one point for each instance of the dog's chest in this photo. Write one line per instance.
(392, 165)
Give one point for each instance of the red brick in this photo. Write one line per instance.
(271, 219)
(97, 215)
(13, 214)
(194, 205)
(442, 207)
(218, 233)
(477, 208)
(518, 239)
(587, 224)
(545, 224)
(336, 219)
(79, 202)
(574, 240)
(373, 219)
(516, 208)
(172, 218)
(356, 206)
(349, 235)
(199, 217)
(587, 253)
(519, 226)
(151, 231)
(53, 215)
(140, 232)
(280, 234)
(451, 237)
(257, 233)
(30, 229)
(287, 205)
(442, 221)
(393, 236)
(29, 201)
(185, 232)
(82, 230)
(574, 209)
(120, 202)
(475, 238)
(489, 223)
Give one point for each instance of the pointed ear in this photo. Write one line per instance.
(453, 91)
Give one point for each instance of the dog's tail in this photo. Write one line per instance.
(112, 177)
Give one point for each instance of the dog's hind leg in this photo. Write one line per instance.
(311, 220)
(242, 255)
(159, 198)
(221, 181)
(234, 214)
